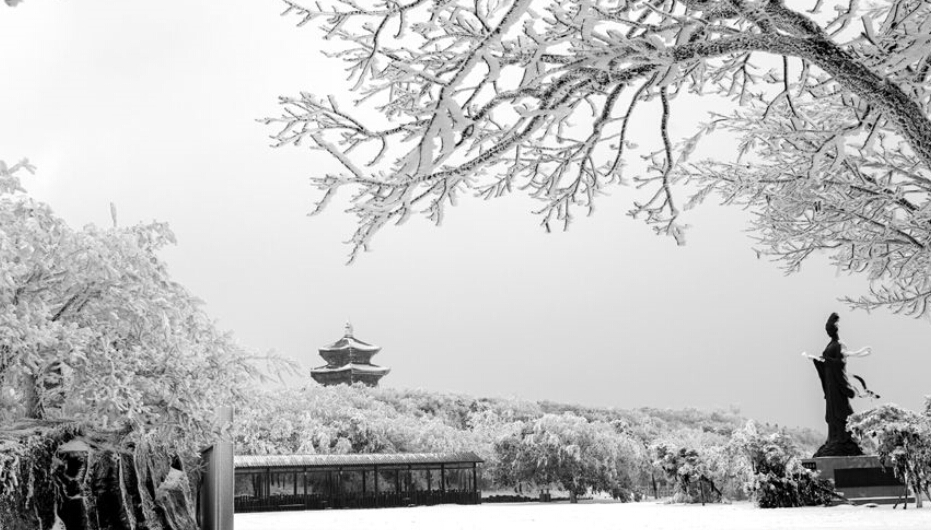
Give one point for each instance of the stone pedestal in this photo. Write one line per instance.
(860, 479)
(844, 446)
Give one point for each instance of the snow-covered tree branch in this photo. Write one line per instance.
(484, 97)
(93, 329)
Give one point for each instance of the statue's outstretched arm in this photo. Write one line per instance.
(862, 352)
(812, 357)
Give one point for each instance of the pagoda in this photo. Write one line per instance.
(348, 360)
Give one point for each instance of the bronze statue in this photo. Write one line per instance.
(838, 392)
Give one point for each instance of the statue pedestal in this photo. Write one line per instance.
(860, 479)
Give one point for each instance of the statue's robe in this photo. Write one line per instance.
(837, 395)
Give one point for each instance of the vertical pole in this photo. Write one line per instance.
(330, 489)
(217, 510)
(376, 486)
(475, 482)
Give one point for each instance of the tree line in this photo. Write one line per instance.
(529, 448)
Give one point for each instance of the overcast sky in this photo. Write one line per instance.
(154, 109)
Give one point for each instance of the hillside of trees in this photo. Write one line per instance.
(528, 447)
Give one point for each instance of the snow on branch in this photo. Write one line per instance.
(827, 173)
(484, 97)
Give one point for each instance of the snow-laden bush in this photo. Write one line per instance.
(902, 440)
(690, 472)
(569, 452)
(773, 475)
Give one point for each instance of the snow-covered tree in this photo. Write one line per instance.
(93, 329)
(568, 451)
(770, 470)
(902, 439)
(485, 97)
(689, 470)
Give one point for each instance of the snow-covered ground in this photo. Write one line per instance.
(594, 516)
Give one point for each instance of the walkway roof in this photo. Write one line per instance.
(358, 460)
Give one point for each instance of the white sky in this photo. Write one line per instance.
(154, 108)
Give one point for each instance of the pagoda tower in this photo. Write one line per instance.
(348, 360)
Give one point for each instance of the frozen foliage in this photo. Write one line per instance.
(527, 446)
(772, 473)
(572, 452)
(902, 439)
(763, 466)
(826, 171)
(689, 471)
(485, 97)
(93, 329)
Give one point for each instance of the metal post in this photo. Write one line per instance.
(376, 486)
(217, 508)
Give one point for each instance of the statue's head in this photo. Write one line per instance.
(831, 326)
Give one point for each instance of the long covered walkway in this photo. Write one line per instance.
(308, 482)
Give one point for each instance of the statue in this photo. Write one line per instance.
(838, 392)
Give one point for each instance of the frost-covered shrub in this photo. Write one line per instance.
(902, 440)
(772, 471)
(569, 452)
(689, 470)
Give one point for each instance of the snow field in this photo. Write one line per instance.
(595, 515)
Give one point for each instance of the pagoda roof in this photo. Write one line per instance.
(261, 461)
(354, 367)
(349, 343)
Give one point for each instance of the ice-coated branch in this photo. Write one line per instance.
(815, 188)
(485, 97)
